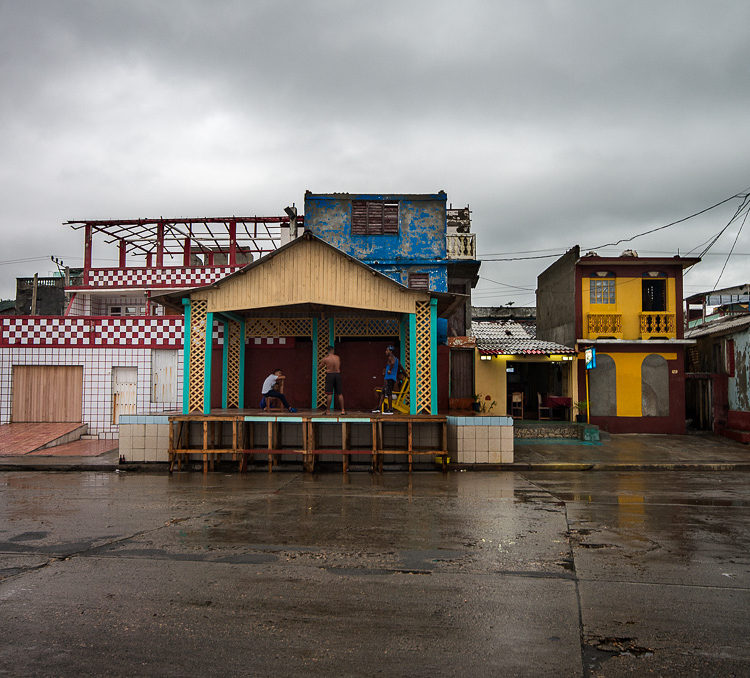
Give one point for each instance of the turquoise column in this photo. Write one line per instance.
(241, 394)
(331, 338)
(186, 357)
(225, 366)
(314, 399)
(207, 355)
(433, 357)
(412, 363)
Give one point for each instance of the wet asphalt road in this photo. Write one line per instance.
(481, 574)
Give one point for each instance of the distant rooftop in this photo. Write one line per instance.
(508, 337)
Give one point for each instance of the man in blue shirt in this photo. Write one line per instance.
(390, 375)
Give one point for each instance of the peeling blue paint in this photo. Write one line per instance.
(419, 247)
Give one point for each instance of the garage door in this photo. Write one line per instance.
(47, 393)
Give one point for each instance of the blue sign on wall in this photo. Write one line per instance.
(590, 355)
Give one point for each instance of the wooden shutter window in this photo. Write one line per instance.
(359, 217)
(390, 218)
(419, 281)
(374, 217)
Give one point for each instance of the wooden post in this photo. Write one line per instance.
(87, 254)
(232, 243)
(160, 245)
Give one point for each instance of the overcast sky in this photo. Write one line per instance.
(557, 122)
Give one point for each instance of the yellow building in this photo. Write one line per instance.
(629, 309)
(519, 375)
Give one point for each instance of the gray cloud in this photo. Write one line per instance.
(560, 123)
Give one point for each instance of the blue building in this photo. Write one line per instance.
(415, 239)
(420, 241)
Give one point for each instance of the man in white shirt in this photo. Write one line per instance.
(270, 390)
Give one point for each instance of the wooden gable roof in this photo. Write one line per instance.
(308, 271)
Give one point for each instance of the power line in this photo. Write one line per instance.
(726, 261)
(497, 282)
(742, 194)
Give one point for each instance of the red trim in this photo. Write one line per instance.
(123, 253)
(160, 245)
(70, 303)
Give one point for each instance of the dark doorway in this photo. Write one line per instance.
(530, 379)
(654, 295)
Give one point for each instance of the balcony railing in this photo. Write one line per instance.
(152, 278)
(604, 325)
(658, 325)
(91, 331)
(461, 246)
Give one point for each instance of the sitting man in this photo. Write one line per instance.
(270, 390)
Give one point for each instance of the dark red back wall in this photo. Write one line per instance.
(362, 364)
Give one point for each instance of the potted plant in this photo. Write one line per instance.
(581, 406)
(483, 403)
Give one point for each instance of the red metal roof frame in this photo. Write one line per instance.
(255, 234)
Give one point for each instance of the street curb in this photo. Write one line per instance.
(163, 467)
(611, 466)
(57, 467)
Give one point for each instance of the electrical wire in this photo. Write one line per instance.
(742, 194)
(726, 261)
(515, 287)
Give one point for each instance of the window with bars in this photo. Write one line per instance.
(602, 291)
(419, 281)
(374, 217)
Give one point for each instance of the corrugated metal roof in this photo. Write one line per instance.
(508, 337)
(720, 326)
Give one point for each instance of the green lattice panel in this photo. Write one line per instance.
(423, 358)
(233, 365)
(198, 315)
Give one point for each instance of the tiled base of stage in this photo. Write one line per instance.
(471, 440)
(481, 440)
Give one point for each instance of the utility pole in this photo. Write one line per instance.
(33, 293)
(292, 212)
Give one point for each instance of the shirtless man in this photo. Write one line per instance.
(333, 379)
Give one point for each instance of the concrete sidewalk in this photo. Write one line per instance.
(624, 452)
(633, 452)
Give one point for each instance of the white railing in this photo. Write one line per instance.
(461, 246)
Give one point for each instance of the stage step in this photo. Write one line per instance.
(23, 438)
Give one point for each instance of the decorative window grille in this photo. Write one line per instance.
(602, 291)
(374, 217)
